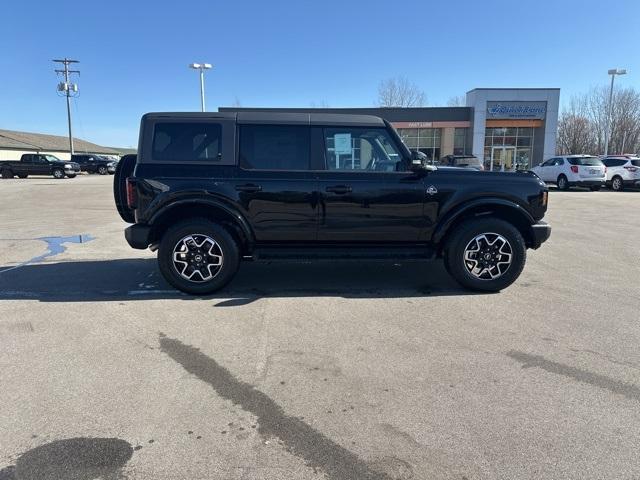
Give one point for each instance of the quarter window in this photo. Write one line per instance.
(274, 147)
(187, 142)
(361, 149)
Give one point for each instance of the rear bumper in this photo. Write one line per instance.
(137, 236)
(588, 183)
(541, 233)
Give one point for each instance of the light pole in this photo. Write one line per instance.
(607, 133)
(202, 67)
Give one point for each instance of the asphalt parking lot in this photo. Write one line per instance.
(297, 371)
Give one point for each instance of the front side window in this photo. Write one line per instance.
(361, 149)
(48, 158)
(274, 147)
(186, 142)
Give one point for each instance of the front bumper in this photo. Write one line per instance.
(137, 236)
(541, 233)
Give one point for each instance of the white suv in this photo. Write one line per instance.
(622, 171)
(573, 171)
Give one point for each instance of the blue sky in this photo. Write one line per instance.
(134, 54)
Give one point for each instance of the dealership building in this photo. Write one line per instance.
(508, 128)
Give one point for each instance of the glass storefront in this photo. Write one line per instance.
(427, 140)
(508, 148)
(460, 141)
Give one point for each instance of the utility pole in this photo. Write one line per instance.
(67, 89)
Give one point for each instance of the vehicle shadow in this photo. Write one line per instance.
(139, 279)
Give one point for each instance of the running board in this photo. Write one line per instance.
(342, 253)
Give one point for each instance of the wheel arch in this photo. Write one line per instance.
(503, 209)
(211, 210)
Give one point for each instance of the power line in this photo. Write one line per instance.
(68, 89)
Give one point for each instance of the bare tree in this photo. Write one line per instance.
(236, 102)
(457, 101)
(399, 92)
(320, 104)
(583, 122)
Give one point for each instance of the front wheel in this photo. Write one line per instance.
(102, 170)
(73, 175)
(58, 173)
(485, 254)
(198, 257)
(562, 183)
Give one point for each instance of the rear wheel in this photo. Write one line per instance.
(58, 173)
(6, 173)
(485, 254)
(198, 257)
(617, 185)
(562, 183)
(23, 175)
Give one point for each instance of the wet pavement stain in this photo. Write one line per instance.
(72, 459)
(299, 438)
(601, 381)
(55, 246)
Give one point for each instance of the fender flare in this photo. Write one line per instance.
(457, 212)
(240, 220)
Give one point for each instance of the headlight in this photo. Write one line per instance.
(68, 165)
(112, 164)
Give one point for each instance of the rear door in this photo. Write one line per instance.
(274, 182)
(367, 194)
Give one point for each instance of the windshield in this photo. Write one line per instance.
(589, 161)
(52, 158)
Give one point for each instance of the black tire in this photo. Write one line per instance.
(617, 185)
(124, 169)
(465, 234)
(73, 175)
(198, 227)
(58, 173)
(6, 173)
(102, 170)
(22, 175)
(562, 182)
(594, 189)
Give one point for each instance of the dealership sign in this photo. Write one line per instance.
(535, 110)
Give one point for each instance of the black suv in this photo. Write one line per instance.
(210, 189)
(94, 164)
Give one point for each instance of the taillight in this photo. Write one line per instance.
(544, 199)
(132, 196)
(574, 168)
(631, 169)
(605, 169)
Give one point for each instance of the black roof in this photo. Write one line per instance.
(279, 118)
(391, 114)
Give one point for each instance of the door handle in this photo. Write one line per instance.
(248, 188)
(339, 189)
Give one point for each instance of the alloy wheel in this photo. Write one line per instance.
(197, 258)
(488, 256)
(617, 183)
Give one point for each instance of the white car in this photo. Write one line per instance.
(622, 171)
(573, 171)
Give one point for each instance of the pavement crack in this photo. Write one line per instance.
(299, 438)
(597, 380)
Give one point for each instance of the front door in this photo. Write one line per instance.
(502, 159)
(367, 195)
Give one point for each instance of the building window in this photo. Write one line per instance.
(460, 141)
(508, 148)
(427, 140)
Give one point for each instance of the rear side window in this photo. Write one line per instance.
(635, 163)
(614, 162)
(589, 161)
(274, 147)
(186, 142)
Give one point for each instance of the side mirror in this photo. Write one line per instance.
(419, 161)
